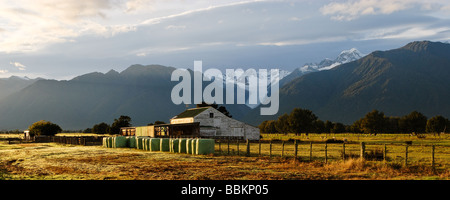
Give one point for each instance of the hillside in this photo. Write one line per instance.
(398, 81)
(14, 84)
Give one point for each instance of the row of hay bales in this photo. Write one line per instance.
(182, 145)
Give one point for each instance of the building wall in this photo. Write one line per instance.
(225, 126)
(182, 120)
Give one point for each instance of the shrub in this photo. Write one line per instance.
(334, 140)
(376, 154)
(44, 128)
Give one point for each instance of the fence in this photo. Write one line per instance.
(74, 140)
(404, 153)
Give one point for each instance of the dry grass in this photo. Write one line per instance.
(65, 162)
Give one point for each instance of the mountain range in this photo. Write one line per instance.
(14, 84)
(141, 92)
(398, 81)
(345, 56)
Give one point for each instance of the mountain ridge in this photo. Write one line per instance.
(397, 81)
(326, 64)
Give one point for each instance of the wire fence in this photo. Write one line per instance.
(406, 154)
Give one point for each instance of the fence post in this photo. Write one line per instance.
(270, 148)
(282, 149)
(385, 153)
(220, 150)
(363, 150)
(248, 148)
(295, 150)
(343, 151)
(326, 154)
(228, 144)
(432, 157)
(310, 151)
(406, 155)
(259, 148)
(237, 147)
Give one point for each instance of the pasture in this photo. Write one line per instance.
(42, 161)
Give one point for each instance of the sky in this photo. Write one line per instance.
(62, 39)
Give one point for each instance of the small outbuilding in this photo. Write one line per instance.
(215, 124)
(206, 122)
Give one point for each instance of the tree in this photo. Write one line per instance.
(392, 126)
(373, 122)
(87, 130)
(338, 128)
(221, 109)
(123, 121)
(301, 120)
(270, 127)
(356, 126)
(319, 126)
(262, 127)
(101, 128)
(413, 122)
(437, 124)
(328, 126)
(44, 128)
(282, 124)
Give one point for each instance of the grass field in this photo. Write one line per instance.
(69, 162)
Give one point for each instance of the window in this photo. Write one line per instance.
(211, 115)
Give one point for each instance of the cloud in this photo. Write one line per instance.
(410, 32)
(353, 9)
(3, 71)
(174, 27)
(19, 66)
(33, 25)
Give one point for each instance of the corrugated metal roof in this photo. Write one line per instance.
(190, 112)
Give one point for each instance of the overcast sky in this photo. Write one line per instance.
(61, 39)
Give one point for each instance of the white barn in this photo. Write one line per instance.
(213, 123)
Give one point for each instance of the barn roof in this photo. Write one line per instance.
(191, 112)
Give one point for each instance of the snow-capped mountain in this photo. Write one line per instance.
(286, 76)
(239, 79)
(242, 80)
(345, 56)
(326, 64)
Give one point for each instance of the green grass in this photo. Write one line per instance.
(430, 139)
(68, 162)
(419, 153)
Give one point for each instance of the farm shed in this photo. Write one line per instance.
(197, 122)
(163, 130)
(215, 124)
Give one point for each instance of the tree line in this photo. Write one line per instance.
(114, 128)
(305, 121)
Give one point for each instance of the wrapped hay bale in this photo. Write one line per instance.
(110, 142)
(189, 146)
(182, 146)
(194, 146)
(174, 143)
(155, 144)
(164, 145)
(143, 143)
(131, 141)
(119, 142)
(205, 146)
(139, 143)
(147, 144)
(104, 143)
